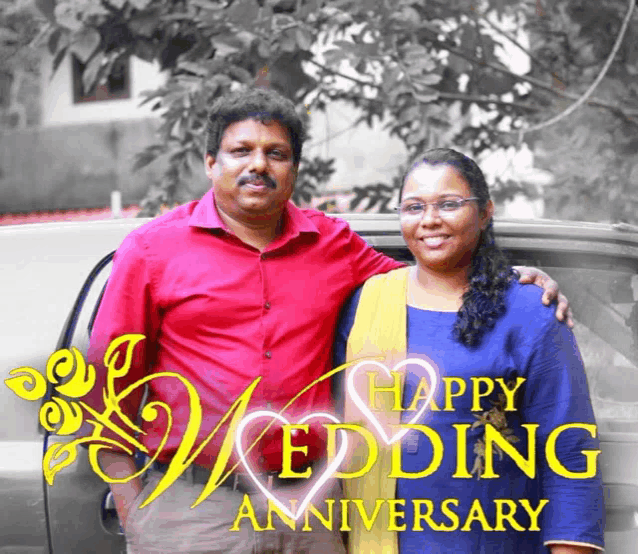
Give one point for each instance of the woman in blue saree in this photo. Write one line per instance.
(503, 362)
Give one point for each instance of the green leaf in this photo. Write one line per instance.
(334, 56)
(427, 80)
(144, 23)
(425, 97)
(139, 4)
(415, 53)
(92, 71)
(410, 15)
(304, 38)
(85, 43)
(54, 41)
(57, 60)
(193, 67)
(67, 16)
(288, 42)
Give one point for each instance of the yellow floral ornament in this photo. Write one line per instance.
(497, 418)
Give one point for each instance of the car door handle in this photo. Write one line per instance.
(108, 514)
(621, 506)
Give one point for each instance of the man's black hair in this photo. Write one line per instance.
(261, 104)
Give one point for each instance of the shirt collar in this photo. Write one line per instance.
(206, 216)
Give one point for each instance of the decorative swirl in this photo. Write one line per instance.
(52, 454)
(112, 355)
(64, 363)
(58, 411)
(56, 450)
(32, 386)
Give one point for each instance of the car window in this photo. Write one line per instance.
(77, 328)
(606, 314)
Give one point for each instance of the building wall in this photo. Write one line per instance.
(363, 155)
(77, 166)
(57, 95)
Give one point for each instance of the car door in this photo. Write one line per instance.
(606, 315)
(42, 269)
(82, 515)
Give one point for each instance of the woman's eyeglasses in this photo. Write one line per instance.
(444, 208)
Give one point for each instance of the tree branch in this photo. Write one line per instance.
(531, 80)
(444, 95)
(599, 78)
(515, 42)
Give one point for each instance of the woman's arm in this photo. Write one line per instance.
(572, 549)
(556, 394)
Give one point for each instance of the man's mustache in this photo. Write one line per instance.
(253, 178)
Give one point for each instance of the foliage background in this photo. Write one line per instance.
(434, 70)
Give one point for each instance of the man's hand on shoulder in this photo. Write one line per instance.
(534, 276)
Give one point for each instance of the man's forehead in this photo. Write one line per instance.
(252, 128)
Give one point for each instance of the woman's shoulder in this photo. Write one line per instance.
(524, 305)
(398, 274)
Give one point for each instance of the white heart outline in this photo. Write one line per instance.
(434, 381)
(328, 472)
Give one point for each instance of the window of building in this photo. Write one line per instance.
(117, 85)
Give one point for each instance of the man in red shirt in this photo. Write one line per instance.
(238, 285)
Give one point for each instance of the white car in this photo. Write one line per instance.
(51, 277)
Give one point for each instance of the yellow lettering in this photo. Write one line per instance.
(437, 454)
(373, 448)
(395, 389)
(427, 516)
(510, 393)
(452, 516)
(247, 511)
(461, 451)
(394, 513)
(527, 466)
(368, 521)
(590, 455)
(421, 393)
(533, 514)
(476, 391)
(326, 522)
(502, 516)
(273, 508)
(449, 381)
(345, 523)
(287, 449)
(476, 514)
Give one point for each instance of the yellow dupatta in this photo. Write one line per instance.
(380, 329)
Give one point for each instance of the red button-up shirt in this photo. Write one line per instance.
(221, 313)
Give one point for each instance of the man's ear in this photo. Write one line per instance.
(209, 162)
(488, 213)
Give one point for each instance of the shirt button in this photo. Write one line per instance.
(267, 305)
(268, 354)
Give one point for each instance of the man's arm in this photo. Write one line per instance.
(366, 262)
(534, 276)
(127, 307)
(117, 466)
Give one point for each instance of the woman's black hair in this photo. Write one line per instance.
(491, 274)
